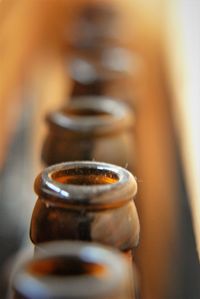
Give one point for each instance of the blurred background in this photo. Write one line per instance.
(37, 41)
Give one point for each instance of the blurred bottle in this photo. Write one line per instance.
(66, 270)
(96, 26)
(100, 61)
(91, 128)
(109, 72)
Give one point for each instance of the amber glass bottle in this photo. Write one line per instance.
(90, 201)
(100, 62)
(96, 26)
(110, 73)
(90, 128)
(73, 270)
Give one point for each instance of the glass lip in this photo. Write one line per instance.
(118, 115)
(115, 277)
(89, 196)
(112, 63)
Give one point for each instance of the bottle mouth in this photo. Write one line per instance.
(71, 267)
(92, 114)
(83, 176)
(110, 64)
(64, 266)
(95, 24)
(84, 112)
(87, 183)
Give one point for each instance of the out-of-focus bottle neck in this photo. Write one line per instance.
(66, 270)
(91, 115)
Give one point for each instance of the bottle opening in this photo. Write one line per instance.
(84, 112)
(85, 176)
(65, 267)
(92, 115)
(96, 185)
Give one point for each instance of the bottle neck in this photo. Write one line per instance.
(91, 116)
(66, 270)
(83, 200)
(86, 184)
(95, 25)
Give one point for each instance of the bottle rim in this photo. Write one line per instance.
(111, 64)
(102, 185)
(40, 285)
(105, 116)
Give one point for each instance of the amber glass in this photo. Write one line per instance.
(108, 72)
(90, 128)
(100, 62)
(95, 26)
(89, 201)
(73, 270)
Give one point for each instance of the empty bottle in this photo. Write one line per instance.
(90, 201)
(91, 128)
(110, 73)
(73, 270)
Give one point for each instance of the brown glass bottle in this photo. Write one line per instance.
(90, 128)
(110, 73)
(95, 26)
(73, 270)
(100, 61)
(90, 201)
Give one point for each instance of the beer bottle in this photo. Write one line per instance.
(108, 73)
(84, 200)
(90, 128)
(73, 270)
(96, 26)
(100, 61)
